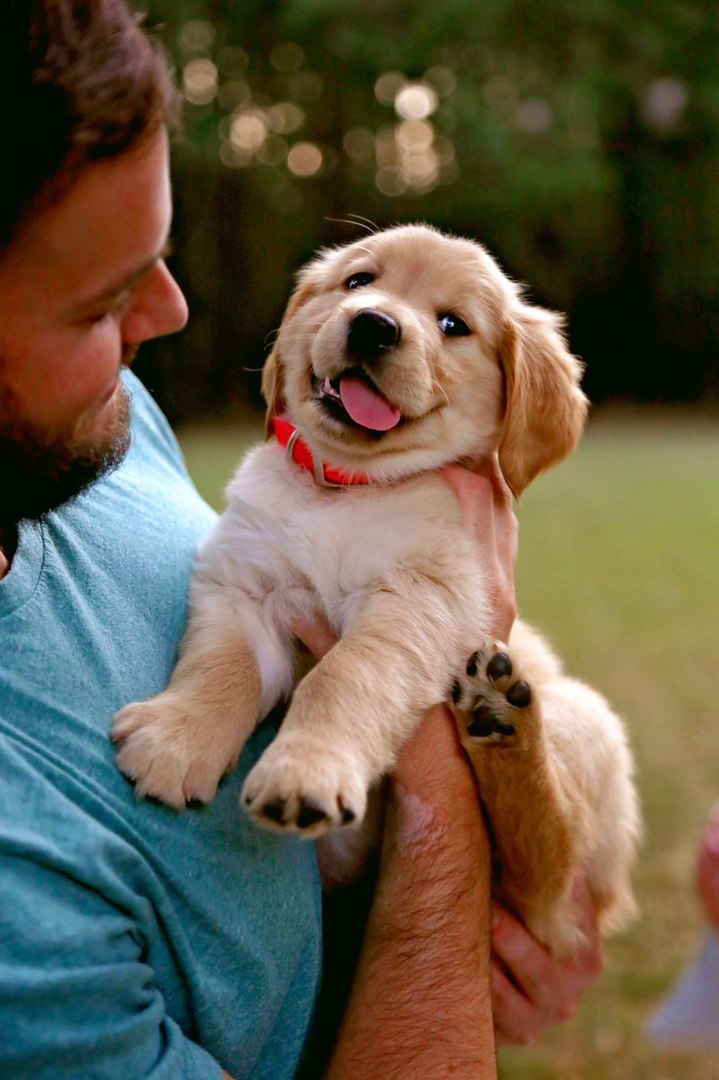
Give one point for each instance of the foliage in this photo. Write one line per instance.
(580, 141)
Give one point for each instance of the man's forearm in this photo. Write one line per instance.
(420, 1004)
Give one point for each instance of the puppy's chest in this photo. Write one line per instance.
(339, 542)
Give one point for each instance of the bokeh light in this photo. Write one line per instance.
(664, 103)
(196, 35)
(273, 151)
(304, 159)
(285, 117)
(359, 145)
(248, 129)
(200, 81)
(534, 115)
(443, 79)
(410, 154)
(416, 101)
(233, 93)
(388, 86)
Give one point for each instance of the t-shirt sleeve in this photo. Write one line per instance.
(77, 997)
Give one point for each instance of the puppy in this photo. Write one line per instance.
(397, 355)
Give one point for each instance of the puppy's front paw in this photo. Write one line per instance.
(299, 786)
(492, 701)
(169, 753)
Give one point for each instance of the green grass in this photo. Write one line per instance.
(619, 565)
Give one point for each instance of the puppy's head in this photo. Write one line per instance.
(410, 349)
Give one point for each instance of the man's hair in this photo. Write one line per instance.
(80, 82)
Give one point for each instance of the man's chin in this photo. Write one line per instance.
(41, 475)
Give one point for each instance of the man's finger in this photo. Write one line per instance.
(516, 1019)
(530, 965)
(315, 634)
(475, 495)
(589, 960)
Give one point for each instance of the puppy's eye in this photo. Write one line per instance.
(452, 326)
(356, 281)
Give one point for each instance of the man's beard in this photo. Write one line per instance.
(39, 474)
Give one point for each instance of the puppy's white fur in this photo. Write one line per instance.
(391, 569)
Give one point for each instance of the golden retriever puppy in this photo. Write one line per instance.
(398, 354)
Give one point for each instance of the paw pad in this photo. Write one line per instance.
(499, 667)
(519, 695)
(491, 695)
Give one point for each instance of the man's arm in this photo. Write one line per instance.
(420, 1005)
(392, 1022)
(531, 989)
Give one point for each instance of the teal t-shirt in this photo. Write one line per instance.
(134, 941)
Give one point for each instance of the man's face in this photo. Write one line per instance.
(83, 285)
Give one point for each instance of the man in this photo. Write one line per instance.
(135, 941)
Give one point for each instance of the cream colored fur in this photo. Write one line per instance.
(391, 569)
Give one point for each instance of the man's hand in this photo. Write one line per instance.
(486, 504)
(420, 1004)
(708, 868)
(531, 990)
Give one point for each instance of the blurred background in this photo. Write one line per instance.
(580, 143)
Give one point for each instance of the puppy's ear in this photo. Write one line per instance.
(273, 371)
(272, 389)
(545, 409)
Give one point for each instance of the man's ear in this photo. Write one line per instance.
(273, 372)
(545, 410)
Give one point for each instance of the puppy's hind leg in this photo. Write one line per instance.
(500, 724)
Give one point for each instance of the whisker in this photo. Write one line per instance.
(358, 221)
(436, 385)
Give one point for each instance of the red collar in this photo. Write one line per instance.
(299, 452)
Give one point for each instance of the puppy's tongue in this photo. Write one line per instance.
(367, 406)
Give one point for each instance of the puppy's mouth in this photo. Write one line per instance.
(353, 399)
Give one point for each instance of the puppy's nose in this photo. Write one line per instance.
(371, 333)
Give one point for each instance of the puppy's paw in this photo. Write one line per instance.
(301, 787)
(493, 703)
(169, 753)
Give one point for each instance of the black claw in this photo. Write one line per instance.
(473, 665)
(519, 695)
(275, 810)
(456, 691)
(348, 816)
(310, 814)
(499, 667)
(485, 723)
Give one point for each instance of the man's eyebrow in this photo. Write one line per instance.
(128, 280)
